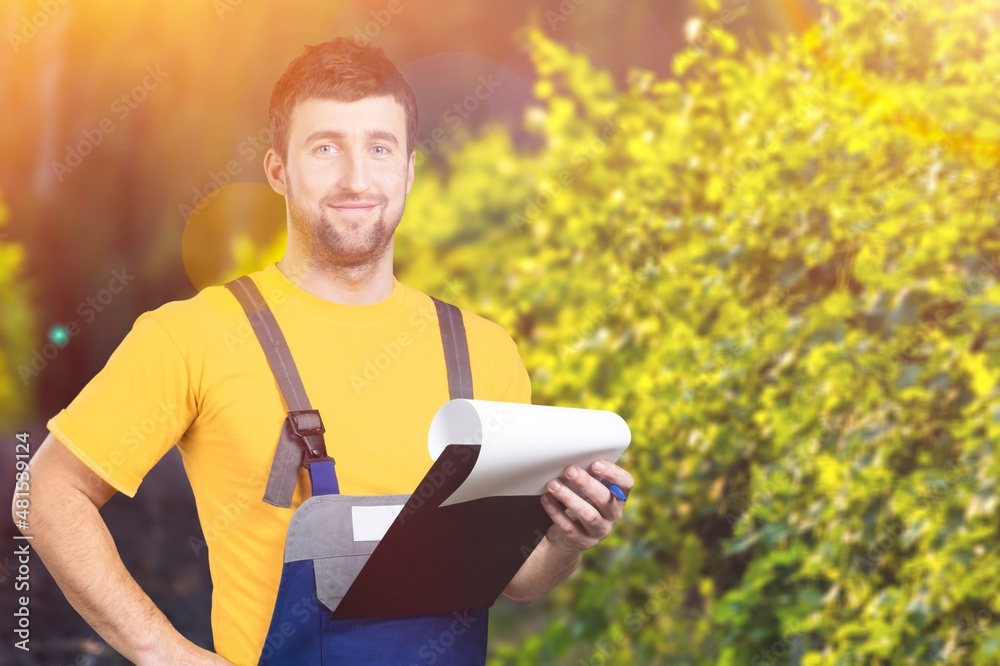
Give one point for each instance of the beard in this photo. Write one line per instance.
(334, 243)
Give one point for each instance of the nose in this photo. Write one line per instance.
(354, 176)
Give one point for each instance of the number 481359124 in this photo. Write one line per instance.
(22, 452)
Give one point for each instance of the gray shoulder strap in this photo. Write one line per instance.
(303, 425)
(279, 356)
(456, 349)
(304, 421)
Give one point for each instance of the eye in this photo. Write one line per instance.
(319, 149)
(384, 148)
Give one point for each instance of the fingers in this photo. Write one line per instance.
(594, 511)
(594, 486)
(559, 516)
(583, 510)
(613, 474)
(565, 533)
(595, 492)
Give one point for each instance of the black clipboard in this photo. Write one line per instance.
(437, 558)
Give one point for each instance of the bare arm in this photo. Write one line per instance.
(70, 536)
(578, 523)
(546, 567)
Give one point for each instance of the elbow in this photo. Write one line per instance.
(522, 599)
(17, 514)
(20, 503)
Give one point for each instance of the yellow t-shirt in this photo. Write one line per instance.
(192, 373)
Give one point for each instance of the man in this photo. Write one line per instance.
(343, 124)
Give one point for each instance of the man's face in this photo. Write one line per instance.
(345, 179)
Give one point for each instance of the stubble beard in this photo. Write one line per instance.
(334, 245)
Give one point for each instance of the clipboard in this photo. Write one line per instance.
(467, 529)
(437, 558)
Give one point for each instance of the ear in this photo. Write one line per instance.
(409, 171)
(275, 172)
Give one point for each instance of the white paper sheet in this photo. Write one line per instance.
(524, 446)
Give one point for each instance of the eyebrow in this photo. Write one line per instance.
(382, 135)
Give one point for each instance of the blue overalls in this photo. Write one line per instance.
(321, 557)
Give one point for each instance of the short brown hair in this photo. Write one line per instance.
(342, 69)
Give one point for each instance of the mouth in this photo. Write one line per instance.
(359, 206)
(355, 211)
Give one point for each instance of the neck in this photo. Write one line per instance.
(349, 285)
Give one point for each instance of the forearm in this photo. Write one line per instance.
(73, 541)
(546, 567)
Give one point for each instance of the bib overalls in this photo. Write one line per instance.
(321, 557)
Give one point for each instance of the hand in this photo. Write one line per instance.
(579, 523)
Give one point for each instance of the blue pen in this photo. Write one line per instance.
(615, 490)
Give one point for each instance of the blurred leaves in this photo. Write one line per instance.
(781, 270)
(17, 331)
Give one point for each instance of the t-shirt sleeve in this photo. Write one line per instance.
(133, 411)
(518, 382)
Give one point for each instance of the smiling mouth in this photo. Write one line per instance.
(355, 206)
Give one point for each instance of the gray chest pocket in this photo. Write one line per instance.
(338, 533)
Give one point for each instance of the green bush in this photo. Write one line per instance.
(781, 267)
(17, 333)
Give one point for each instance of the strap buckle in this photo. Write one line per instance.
(306, 422)
(307, 426)
(309, 461)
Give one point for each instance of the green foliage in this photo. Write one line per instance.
(783, 270)
(16, 333)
